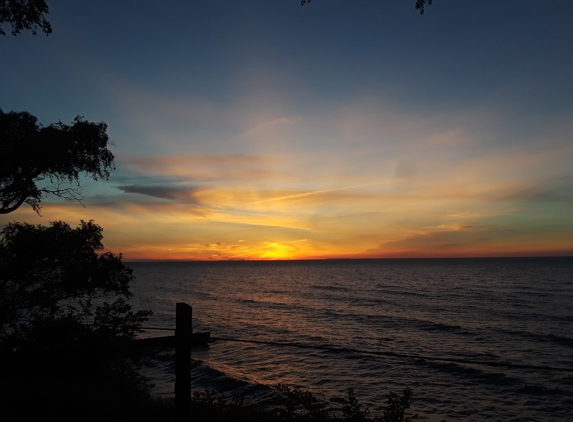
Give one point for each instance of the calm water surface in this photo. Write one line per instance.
(491, 310)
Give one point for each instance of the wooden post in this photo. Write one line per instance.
(183, 330)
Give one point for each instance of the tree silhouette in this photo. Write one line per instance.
(36, 160)
(24, 14)
(419, 4)
(66, 323)
(65, 319)
(55, 272)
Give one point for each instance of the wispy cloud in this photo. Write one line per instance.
(200, 167)
(270, 126)
(551, 190)
(317, 192)
(180, 193)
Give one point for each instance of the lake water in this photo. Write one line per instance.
(485, 310)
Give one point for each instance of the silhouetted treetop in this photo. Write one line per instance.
(24, 14)
(56, 271)
(36, 160)
(419, 4)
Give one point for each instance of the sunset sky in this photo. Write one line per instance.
(261, 129)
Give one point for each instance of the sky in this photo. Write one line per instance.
(261, 129)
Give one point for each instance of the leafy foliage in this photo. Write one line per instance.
(421, 3)
(212, 405)
(396, 408)
(32, 156)
(65, 316)
(24, 14)
(351, 408)
(298, 405)
(301, 404)
(54, 272)
(304, 405)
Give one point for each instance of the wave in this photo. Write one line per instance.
(430, 326)
(542, 338)
(330, 288)
(205, 376)
(472, 373)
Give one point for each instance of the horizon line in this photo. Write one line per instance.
(353, 259)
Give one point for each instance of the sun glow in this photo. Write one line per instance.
(279, 251)
(276, 250)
